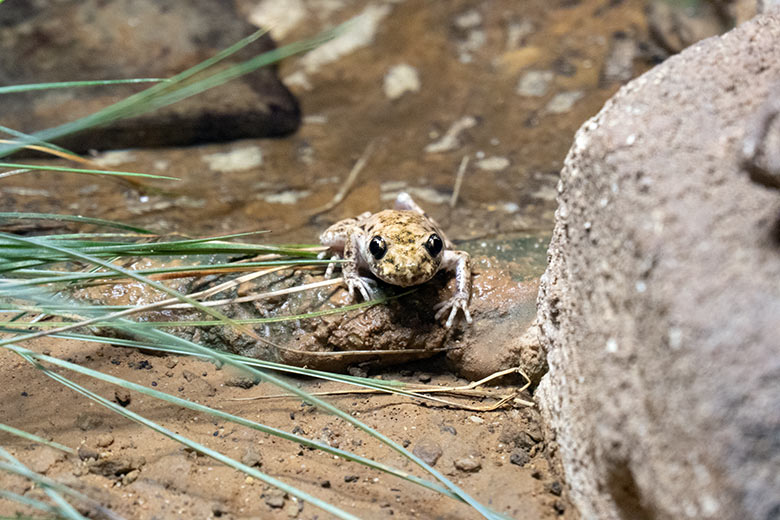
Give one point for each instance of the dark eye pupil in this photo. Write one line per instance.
(434, 244)
(377, 247)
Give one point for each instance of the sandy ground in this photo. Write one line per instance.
(499, 457)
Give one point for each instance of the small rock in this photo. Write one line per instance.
(251, 457)
(449, 429)
(199, 385)
(493, 164)
(130, 477)
(559, 506)
(535, 83)
(86, 453)
(121, 396)
(292, 510)
(171, 362)
(357, 371)
(116, 466)
(43, 458)
(401, 79)
(468, 464)
(468, 20)
(104, 440)
(564, 101)
(351, 478)
(428, 450)
(519, 458)
(424, 378)
(476, 419)
(241, 381)
(555, 488)
(274, 498)
(325, 484)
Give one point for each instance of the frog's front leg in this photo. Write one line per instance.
(460, 262)
(335, 239)
(350, 268)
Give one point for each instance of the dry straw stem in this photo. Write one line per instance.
(419, 391)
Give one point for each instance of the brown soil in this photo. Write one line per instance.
(141, 474)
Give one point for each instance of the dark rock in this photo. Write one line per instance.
(134, 40)
(555, 488)
(85, 452)
(659, 274)
(559, 506)
(122, 397)
(428, 450)
(519, 458)
(449, 429)
(351, 478)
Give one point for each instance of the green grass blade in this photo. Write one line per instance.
(106, 265)
(9, 89)
(17, 215)
(83, 170)
(35, 438)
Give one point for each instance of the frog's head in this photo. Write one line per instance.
(403, 248)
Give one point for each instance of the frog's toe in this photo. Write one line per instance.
(452, 305)
(363, 285)
(331, 265)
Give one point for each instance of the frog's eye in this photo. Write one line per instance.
(434, 245)
(377, 247)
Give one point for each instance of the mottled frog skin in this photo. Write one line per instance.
(401, 246)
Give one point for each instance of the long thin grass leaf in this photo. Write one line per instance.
(20, 215)
(84, 170)
(9, 89)
(35, 438)
(160, 287)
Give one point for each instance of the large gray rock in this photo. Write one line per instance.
(660, 307)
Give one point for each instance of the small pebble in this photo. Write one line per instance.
(519, 458)
(104, 440)
(468, 464)
(400, 80)
(351, 478)
(428, 450)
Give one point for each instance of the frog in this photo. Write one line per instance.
(402, 246)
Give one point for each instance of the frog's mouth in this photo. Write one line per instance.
(404, 277)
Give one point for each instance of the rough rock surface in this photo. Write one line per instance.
(119, 39)
(660, 307)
